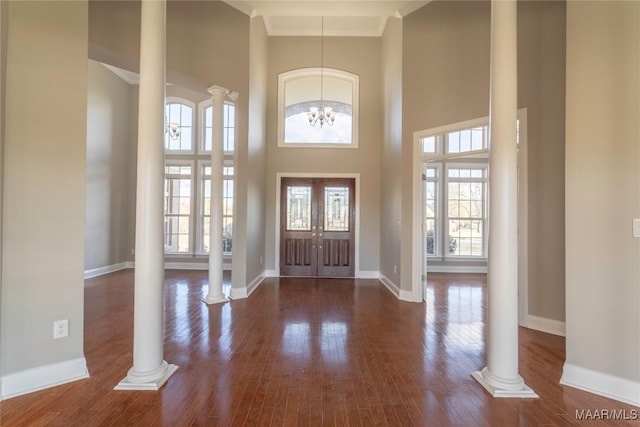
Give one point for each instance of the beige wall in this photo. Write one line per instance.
(358, 55)
(255, 165)
(108, 188)
(207, 44)
(44, 187)
(3, 69)
(541, 88)
(446, 80)
(603, 187)
(391, 151)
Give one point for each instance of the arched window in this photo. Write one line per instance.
(178, 115)
(188, 140)
(300, 90)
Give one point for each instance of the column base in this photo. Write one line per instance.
(498, 388)
(215, 300)
(153, 381)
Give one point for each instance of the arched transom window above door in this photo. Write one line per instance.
(303, 89)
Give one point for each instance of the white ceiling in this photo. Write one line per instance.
(342, 18)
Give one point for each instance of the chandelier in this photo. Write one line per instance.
(173, 129)
(321, 114)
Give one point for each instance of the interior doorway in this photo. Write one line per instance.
(317, 226)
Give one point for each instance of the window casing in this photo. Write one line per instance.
(227, 207)
(188, 170)
(298, 90)
(455, 193)
(178, 199)
(180, 112)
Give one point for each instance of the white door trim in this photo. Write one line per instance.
(418, 275)
(280, 175)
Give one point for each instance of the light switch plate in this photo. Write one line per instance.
(636, 227)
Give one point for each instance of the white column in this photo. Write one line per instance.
(501, 377)
(150, 371)
(215, 294)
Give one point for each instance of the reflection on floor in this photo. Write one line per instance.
(307, 352)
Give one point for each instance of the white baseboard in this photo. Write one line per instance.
(542, 324)
(255, 283)
(362, 274)
(238, 293)
(42, 377)
(476, 269)
(271, 273)
(177, 265)
(95, 272)
(602, 384)
(393, 288)
(406, 296)
(368, 274)
(172, 265)
(244, 292)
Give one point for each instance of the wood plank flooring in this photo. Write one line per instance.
(307, 352)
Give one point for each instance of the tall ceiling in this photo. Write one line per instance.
(342, 18)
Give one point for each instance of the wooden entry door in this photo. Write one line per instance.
(317, 227)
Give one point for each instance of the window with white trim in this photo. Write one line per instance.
(301, 90)
(188, 178)
(227, 207)
(177, 207)
(179, 114)
(455, 193)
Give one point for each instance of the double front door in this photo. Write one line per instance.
(317, 227)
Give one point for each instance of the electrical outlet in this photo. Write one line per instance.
(395, 269)
(60, 328)
(636, 227)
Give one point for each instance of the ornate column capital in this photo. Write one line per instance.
(231, 95)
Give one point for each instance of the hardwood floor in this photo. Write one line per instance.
(302, 352)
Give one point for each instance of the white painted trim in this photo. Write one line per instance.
(238, 293)
(177, 265)
(474, 269)
(352, 78)
(43, 377)
(602, 384)
(496, 391)
(408, 296)
(543, 324)
(155, 385)
(523, 223)
(173, 265)
(101, 271)
(481, 121)
(279, 176)
(253, 285)
(244, 292)
(417, 235)
(368, 274)
(393, 288)
(271, 273)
